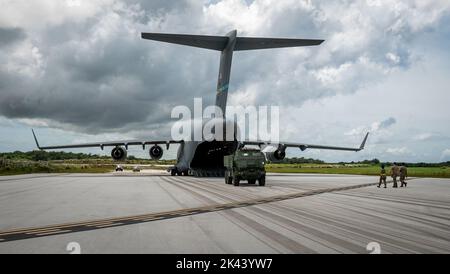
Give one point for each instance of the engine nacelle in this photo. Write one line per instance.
(119, 153)
(275, 156)
(156, 152)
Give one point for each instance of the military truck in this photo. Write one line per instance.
(245, 164)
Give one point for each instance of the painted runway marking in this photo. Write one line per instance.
(109, 225)
(27, 233)
(100, 223)
(53, 233)
(41, 231)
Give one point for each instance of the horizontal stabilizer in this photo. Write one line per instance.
(220, 42)
(250, 43)
(199, 41)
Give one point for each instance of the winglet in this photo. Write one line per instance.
(35, 139)
(364, 142)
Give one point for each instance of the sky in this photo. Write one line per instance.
(78, 71)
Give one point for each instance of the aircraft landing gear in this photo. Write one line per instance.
(175, 172)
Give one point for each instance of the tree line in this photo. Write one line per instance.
(38, 155)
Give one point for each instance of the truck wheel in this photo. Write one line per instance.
(252, 181)
(228, 178)
(186, 173)
(236, 181)
(173, 172)
(262, 181)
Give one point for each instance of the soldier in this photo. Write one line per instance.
(382, 176)
(403, 175)
(394, 174)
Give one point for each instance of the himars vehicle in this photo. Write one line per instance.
(245, 164)
(205, 158)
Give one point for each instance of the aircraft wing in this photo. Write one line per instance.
(303, 146)
(108, 144)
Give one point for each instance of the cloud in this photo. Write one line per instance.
(431, 137)
(373, 128)
(81, 65)
(10, 36)
(445, 156)
(423, 136)
(398, 151)
(384, 124)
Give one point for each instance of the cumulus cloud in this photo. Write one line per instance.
(9, 36)
(374, 128)
(384, 124)
(423, 136)
(445, 156)
(398, 151)
(81, 65)
(429, 136)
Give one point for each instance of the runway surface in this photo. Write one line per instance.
(155, 213)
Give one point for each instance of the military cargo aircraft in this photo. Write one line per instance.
(205, 158)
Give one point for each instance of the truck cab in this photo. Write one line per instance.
(245, 165)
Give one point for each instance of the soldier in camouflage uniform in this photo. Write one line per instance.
(382, 176)
(395, 172)
(403, 175)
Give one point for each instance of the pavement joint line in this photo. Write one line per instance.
(27, 233)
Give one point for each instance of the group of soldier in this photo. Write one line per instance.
(397, 171)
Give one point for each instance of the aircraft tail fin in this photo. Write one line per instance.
(227, 45)
(200, 41)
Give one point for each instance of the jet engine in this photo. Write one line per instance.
(274, 154)
(156, 152)
(119, 153)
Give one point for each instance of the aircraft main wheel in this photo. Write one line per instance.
(252, 181)
(179, 173)
(262, 181)
(236, 181)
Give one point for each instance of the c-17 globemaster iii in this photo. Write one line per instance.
(205, 158)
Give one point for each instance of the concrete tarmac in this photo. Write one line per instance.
(156, 213)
